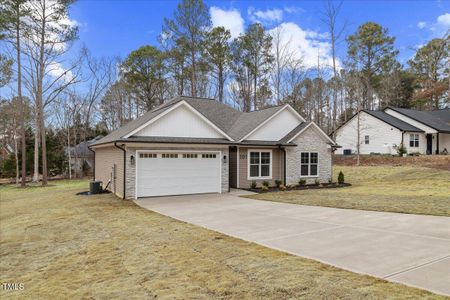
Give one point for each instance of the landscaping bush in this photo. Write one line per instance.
(265, 183)
(317, 181)
(264, 188)
(341, 178)
(253, 185)
(302, 182)
(278, 183)
(401, 150)
(282, 187)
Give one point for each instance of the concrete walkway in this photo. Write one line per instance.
(411, 249)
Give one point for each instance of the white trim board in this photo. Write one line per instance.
(197, 113)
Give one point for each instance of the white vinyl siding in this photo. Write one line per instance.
(277, 127)
(382, 137)
(181, 122)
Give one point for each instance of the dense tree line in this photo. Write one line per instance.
(258, 69)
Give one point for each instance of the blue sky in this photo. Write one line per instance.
(114, 28)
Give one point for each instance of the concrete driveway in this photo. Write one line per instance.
(411, 249)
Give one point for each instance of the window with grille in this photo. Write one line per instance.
(260, 164)
(309, 162)
(414, 140)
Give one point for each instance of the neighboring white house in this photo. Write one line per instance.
(382, 132)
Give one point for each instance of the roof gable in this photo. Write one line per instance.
(181, 120)
(225, 122)
(277, 126)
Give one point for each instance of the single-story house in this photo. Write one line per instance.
(196, 145)
(382, 132)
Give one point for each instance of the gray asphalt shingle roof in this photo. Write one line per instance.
(393, 121)
(234, 123)
(436, 119)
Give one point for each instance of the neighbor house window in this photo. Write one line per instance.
(260, 164)
(414, 140)
(366, 140)
(309, 163)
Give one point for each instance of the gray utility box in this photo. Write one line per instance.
(95, 187)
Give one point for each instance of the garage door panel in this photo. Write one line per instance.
(174, 176)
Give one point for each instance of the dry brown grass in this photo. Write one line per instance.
(412, 190)
(63, 246)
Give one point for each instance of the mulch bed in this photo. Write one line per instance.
(301, 187)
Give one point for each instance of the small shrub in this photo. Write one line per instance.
(330, 181)
(264, 188)
(302, 182)
(341, 178)
(253, 185)
(317, 181)
(401, 150)
(265, 183)
(282, 187)
(278, 183)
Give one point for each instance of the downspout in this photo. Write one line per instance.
(93, 168)
(124, 167)
(284, 163)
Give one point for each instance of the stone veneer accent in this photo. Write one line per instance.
(308, 141)
(131, 169)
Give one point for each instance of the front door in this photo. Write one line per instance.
(429, 144)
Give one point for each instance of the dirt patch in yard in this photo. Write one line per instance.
(62, 246)
(429, 161)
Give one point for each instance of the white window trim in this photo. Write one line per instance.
(309, 165)
(413, 135)
(270, 166)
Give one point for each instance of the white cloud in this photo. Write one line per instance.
(56, 70)
(230, 19)
(444, 20)
(268, 16)
(305, 44)
(293, 9)
(422, 24)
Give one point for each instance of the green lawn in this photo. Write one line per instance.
(62, 246)
(412, 190)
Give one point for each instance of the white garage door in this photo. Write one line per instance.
(177, 173)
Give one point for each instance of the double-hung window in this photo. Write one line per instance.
(260, 164)
(309, 163)
(366, 140)
(414, 140)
